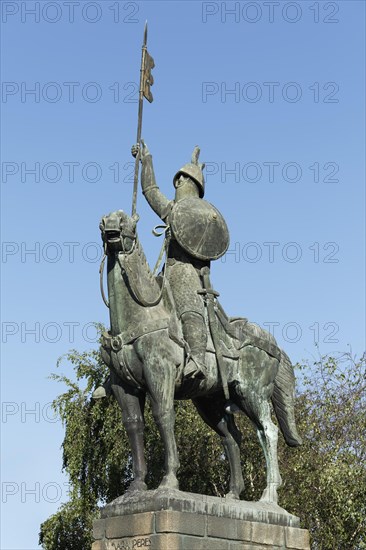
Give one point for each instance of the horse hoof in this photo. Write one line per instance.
(232, 496)
(169, 482)
(137, 486)
(269, 495)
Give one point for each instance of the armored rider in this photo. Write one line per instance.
(198, 234)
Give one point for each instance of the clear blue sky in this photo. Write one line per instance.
(274, 95)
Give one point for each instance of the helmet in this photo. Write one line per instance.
(193, 171)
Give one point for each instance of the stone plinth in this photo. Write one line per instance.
(173, 520)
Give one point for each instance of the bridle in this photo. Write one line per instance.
(123, 236)
(124, 252)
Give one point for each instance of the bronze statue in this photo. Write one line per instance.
(147, 352)
(171, 339)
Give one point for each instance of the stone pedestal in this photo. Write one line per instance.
(173, 520)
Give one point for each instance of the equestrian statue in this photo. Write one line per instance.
(170, 338)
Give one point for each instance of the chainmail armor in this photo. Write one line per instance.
(185, 281)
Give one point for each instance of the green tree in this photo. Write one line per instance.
(324, 480)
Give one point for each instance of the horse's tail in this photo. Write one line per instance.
(283, 398)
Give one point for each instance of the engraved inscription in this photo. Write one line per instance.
(131, 544)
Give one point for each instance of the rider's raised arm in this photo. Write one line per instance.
(157, 200)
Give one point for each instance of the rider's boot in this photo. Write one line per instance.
(104, 390)
(195, 334)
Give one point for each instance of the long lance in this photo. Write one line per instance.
(139, 123)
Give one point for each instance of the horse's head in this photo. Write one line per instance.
(118, 232)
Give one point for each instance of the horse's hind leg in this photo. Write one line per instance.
(132, 406)
(268, 437)
(213, 413)
(252, 396)
(162, 406)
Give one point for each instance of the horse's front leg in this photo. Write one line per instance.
(159, 373)
(132, 406)
(163, 412)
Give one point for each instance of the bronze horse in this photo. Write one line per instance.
(145, 353)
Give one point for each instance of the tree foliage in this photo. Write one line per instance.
(328, 473)
(324, 480)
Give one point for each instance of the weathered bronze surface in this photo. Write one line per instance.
(170, 337)
(199, 228)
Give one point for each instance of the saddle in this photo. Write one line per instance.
(233, 333)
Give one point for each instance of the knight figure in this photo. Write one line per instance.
(198, 234)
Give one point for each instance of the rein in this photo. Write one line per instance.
(101, 267)
(101, 271)
(135, 293)
(164, 247)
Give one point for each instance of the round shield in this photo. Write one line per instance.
(199, 228)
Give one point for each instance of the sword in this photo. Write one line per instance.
(210, 295)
